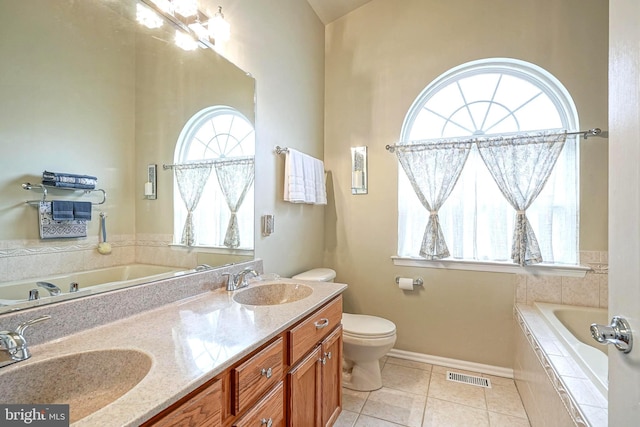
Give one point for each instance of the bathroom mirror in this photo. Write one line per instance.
(86, 89)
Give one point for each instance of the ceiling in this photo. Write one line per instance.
(330, 10)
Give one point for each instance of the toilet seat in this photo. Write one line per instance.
(364, 326)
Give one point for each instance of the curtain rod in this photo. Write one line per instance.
(205, 164)
(584, 133)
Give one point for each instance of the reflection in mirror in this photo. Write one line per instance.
(87, 90)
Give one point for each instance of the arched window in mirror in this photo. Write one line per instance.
(226, 138)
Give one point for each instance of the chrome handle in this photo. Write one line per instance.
(266, 372)
(21, 327)
(323, 360)
(267, 422)
(328, 355)
(323, 323)
(73, 287)
(34, 294)
(618, 334)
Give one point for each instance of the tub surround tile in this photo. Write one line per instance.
(596, 416)
(604, 290)
(581, 291)
(544, 289)
(395, 406)
(521, 288)
(573, 390)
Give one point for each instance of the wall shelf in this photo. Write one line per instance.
(45, 192)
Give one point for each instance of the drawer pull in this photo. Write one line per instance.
(266, 422)
(266, 372)
(323, 323)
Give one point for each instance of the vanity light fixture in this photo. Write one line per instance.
(196, 27)
(185, 41)
(219, 28)
(148, 17)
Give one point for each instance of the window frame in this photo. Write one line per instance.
(183, 143)
(561, 99)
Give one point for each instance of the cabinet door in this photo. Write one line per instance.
(303, 383)
(331, 377)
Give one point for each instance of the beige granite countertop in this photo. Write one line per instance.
(189, 341)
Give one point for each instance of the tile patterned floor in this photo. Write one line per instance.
(415, 394)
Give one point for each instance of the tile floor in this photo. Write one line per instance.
(415, 394)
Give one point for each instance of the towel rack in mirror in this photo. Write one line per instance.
(43, 188)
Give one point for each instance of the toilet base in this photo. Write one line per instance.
(362, 376)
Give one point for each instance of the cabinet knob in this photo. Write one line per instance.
(328, 355)
(323, 360)
(266, 422)
(266, 372)
(322, 323)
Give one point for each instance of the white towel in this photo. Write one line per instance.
(304, 179)
(294, 177)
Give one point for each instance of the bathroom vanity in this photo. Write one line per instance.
(202, 360)
(293, 380)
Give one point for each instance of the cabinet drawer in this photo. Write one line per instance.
(268, 412)
(255, 376)
(303, 337)
(203, 408)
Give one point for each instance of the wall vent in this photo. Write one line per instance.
(468, 379)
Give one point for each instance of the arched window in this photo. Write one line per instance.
(215, 133)
(493, 97)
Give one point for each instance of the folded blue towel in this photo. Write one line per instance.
(55, 176)
(62, 210)
(68, 185)
(82, 210)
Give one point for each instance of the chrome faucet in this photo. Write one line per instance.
(238, 281)
(13, 346)
(53, 289)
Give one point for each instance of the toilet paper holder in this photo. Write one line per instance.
(416, 282)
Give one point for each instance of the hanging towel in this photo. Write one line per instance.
(294, 177)
(82, 210)
(304, 179)
(52, 229)
(61, 210)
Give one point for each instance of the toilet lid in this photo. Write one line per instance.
(361, 325)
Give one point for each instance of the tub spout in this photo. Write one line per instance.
(618, 334)
(50, 287)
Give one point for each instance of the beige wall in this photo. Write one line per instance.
(378, 59)
(282, 46)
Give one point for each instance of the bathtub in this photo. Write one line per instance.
(17, 292)
(571, 325)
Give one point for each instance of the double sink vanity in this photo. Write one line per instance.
(269, 354)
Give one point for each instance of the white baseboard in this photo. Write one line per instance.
(452, 363)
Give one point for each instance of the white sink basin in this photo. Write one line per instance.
(85, 381)
(273, 294)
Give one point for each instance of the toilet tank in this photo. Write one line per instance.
(317, 275)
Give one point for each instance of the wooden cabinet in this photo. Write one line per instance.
(202, 407)
(294, 380)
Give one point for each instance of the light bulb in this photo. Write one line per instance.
(148, 17)
(185, 8)
(219, 28)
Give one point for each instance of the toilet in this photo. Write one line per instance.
(366, 339)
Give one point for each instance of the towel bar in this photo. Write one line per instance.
(45, 193)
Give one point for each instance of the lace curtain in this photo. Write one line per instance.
(433, 169)
(235, 177)
(191, 180)
(520, 166)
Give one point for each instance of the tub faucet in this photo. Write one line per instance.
(53, 289)
(13, 346)
(238, 281)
